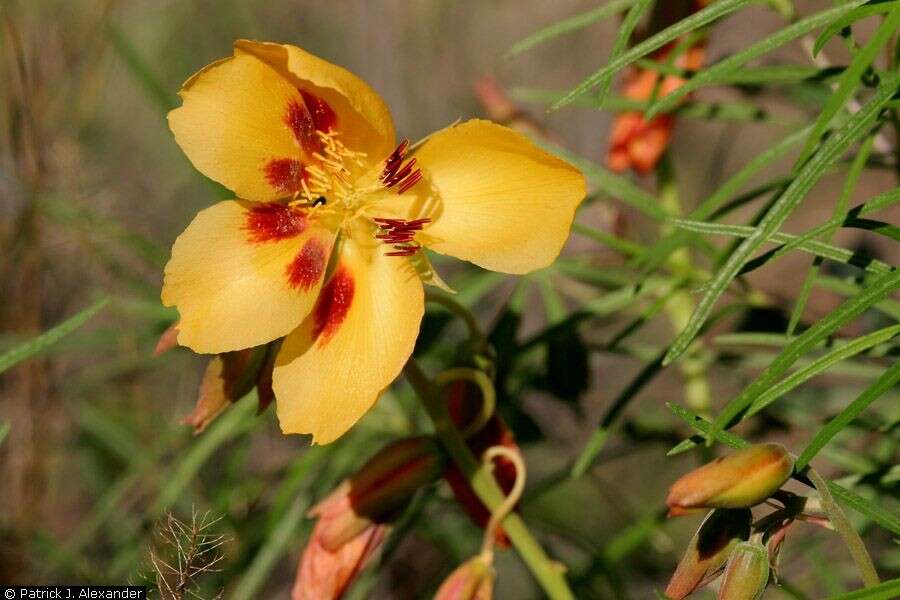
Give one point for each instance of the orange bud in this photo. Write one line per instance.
(472, 580)
(747, 573)
(742, 479)
(710, 547)
(168, 340)
(378, 490)
(326, 575)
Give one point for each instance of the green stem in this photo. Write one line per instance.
(450, 303)
(680, 305)
(851, 538)
(548, 573)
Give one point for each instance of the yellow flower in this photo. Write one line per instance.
(323, 245)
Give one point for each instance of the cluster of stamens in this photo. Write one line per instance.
(396, 173)
(400, 234)
(331, 175)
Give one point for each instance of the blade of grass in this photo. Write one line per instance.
(700, 18)
(37, 345)
(623, 36)
(856, 169)
(4, 431)
(820, 249)
(889, 590)
(872, 510)
(869, 10)
(659, 253)
(878, 289)
(850, 536)
(849, 81)
(736, 61)
(574, 23)
(887, 382)
(851, 348)
(806, 177)
(143, 75)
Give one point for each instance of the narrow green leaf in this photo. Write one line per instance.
(850, 536)
(598, 439)
(806, 177)
(889, 590)
(736, 61)
(848, 83)
(870, 509)
(574, 23)
(49, 337)
(814, 247)
(4, 431)
(887, 382)
(879, 227)
(143, 75)
(654, 42)
(853, 175)
(821, 364)
(878, 289)
(621, 245)
(623, 36)
(660, 252)
(848, 287)
(869, 10)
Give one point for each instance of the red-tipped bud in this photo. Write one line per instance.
(168, 340)
(472, 580)
(327, 575)
(710, 547)
(742, 479)
(378, 490)
(746, 574)
(354, 518)
(228, 378)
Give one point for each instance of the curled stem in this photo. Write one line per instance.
(549, 573)
(499, 513)
(488, 395)
(476, 336)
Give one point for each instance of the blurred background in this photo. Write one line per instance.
(94, 190)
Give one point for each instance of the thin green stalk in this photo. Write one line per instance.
(842, 526)
(549, 573)
(681, 306)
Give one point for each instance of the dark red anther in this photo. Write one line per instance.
(395, 173)
(400, 233)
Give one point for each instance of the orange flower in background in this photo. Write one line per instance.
(636, 143)
(324, 244)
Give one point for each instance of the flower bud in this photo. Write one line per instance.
(327, 575)
(742, 479)
(472, 580)
(379, 489)
(710, 547)
(747, 573)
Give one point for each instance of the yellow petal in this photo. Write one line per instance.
(249, 121)
(332, 368)
(364, 121)
(243, 274)
(232, 124)
(494, 198)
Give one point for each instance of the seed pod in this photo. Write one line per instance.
(739, 480)
(709, 549)
(746, 574)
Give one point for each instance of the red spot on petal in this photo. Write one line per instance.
(285, 174)
(309, 264)
(333, 305)
(323, 116)
(306, 115)
(274, 222)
